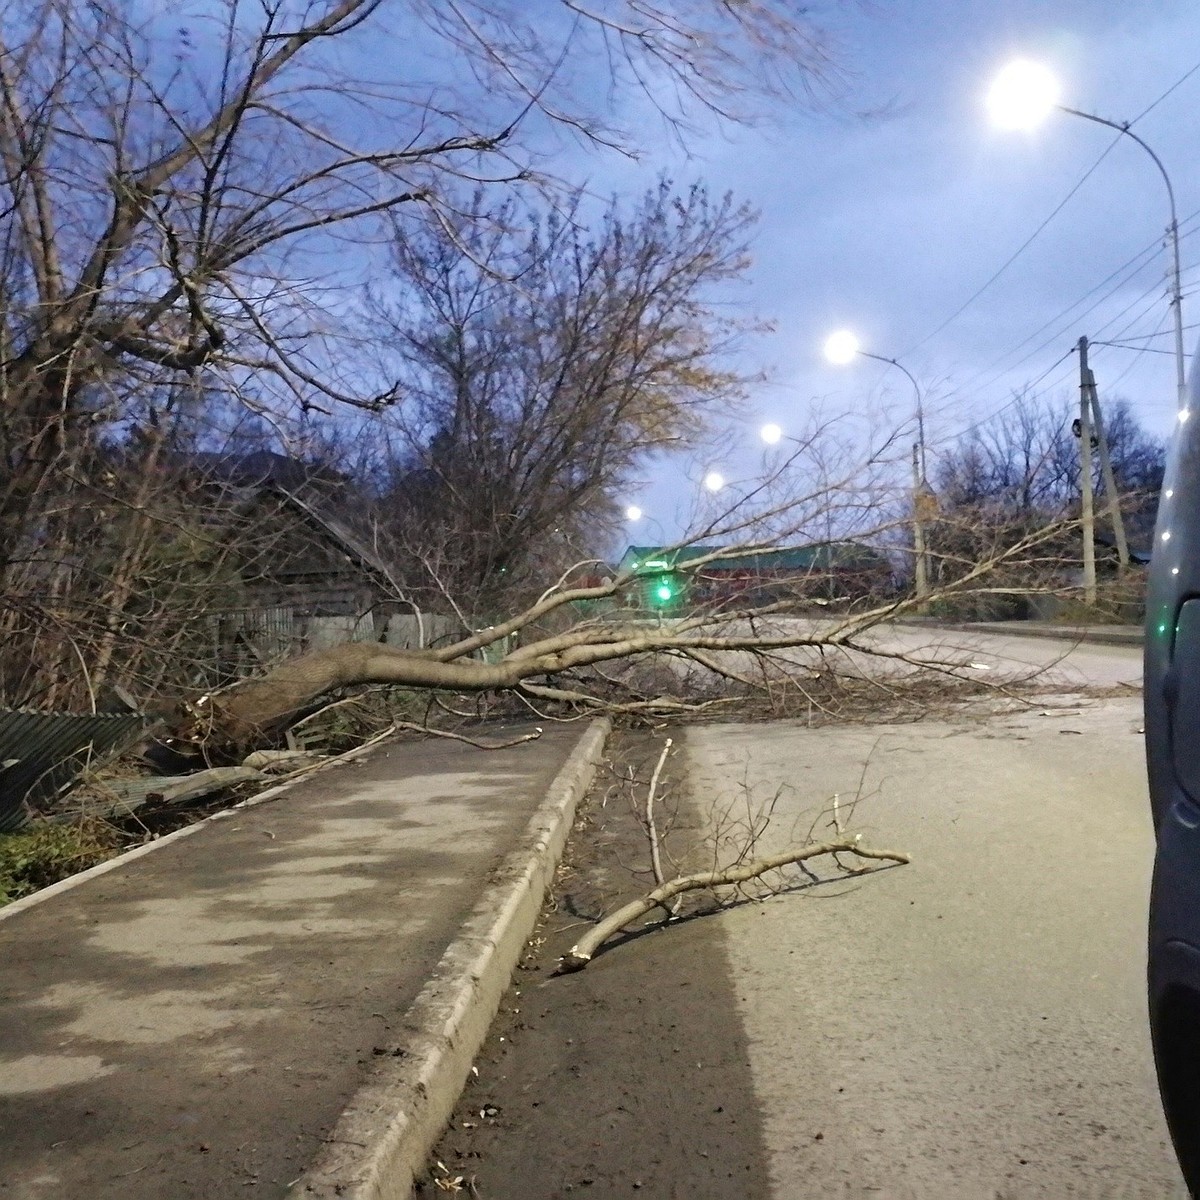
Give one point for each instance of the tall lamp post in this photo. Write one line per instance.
(1022, 96)
(842, 348)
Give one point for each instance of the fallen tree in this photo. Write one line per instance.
(742, 647)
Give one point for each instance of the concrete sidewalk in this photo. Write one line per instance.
(287, 996)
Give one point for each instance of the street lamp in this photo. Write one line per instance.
(633, 513)
(714, 481)
(843, 347)
(1022, 97)
(771, 433)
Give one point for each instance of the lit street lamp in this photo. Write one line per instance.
(633, 513)
(843, 347)
(714, 481)
(771, 434)
(1022, 96)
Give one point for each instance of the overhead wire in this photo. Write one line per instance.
(1134, 359)
(1012, 258)
(1056, 210)
(1154, 104)
(1122, 276)
(1147, 308)
(1141, 337)
(1148, 300)
(1013, 399)
(1049, 341)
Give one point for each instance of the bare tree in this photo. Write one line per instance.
(543, 362)
(154, 539)
(1020, 472)
(1026, 459)
(190, 191)
(173, 187)
(174, 194)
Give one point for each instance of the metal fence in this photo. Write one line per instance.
(42, 753)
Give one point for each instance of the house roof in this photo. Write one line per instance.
(249, 477)
(819, 555)
(337, 533)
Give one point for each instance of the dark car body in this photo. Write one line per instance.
(1172, 707)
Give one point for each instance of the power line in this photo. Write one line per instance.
(1014, 399)
(1139, 349)
(1133, 361)
(1123, 275)
(1057, 209)
(1142, 337)
(1129, 270)
(1061, 322)
(1035, 383)
(1151, 298)
(1132, 266)
(1181, 80)
(1012, 258)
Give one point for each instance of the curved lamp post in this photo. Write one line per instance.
(1021, 97)
(843, 347)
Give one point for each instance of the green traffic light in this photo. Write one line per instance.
(664, 592)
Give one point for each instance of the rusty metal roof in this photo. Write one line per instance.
(42, 753)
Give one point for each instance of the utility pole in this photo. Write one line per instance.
(1086, 514)
(1110, 482)
(920, 563)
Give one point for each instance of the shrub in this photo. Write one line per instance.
(41, 855)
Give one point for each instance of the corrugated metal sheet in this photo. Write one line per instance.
(41, 753)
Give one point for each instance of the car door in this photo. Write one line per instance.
(1172, 707)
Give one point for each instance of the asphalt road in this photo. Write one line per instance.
(1067, 662)
(971, 1025)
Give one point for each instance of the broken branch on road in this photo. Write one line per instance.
(583, 951)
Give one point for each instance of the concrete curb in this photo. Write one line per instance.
(1097, 636)
(383, 1137)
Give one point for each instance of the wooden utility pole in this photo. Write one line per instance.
(1110, 482)
(1086, 513)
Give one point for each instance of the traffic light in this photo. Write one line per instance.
(662, 591)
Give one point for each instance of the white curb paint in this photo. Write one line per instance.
(383, 1138)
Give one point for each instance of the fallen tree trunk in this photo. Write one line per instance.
(251, 714)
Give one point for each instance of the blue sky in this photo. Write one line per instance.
(891, 210)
